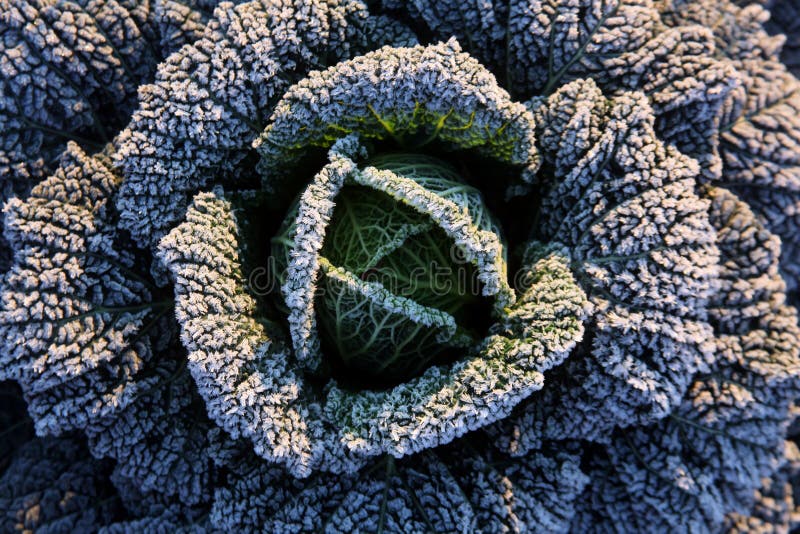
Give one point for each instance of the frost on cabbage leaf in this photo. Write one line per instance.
(87, 340)
(73, 310)
(774, 508)
(759, 130)
(708, 456)
(69, 71)
(270, 402)
(53, 485)
(195, 123)
(623, 204)
(535, 47)
(465, 487)
(679, 392)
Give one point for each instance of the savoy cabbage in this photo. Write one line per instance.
(422, 266)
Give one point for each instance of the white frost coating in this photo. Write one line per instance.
(394, 93)
(466, 487)
(537, 46)
(624, 205)
(313, 215)
(246, 379)
(759, 125)
(481, 247)
(537, 333)
(72, 309)
(774, 509)
(196, 122)
(707, 458)
(159, 440)
(70, 70)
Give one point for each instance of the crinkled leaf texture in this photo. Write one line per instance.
(69, 70)
(464, 487)
(160, 439)
(759, 128)
(707, 457)
(75, 318)
(774, 509)
(640, 244)
(53, 485)
(255, 388)
(89, 346)
(197, 121)
(436, 93)
(536, 46)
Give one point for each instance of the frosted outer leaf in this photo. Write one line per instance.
(54, 485)
(170, 24)
(196, 122)
(245, 378)
(397, 93)
(739, 31)
(382, 30)
(686, 86)
(160, 439)
(69, 71)
(251, 388)
(774, 509)
(536, 46)
(535, 493)
(640, 245)
(759, 130)
(455, 489)
(760, 146)
(74, 315)
(708, 457)
(60, 63)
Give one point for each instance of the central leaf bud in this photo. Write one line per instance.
(396, 292)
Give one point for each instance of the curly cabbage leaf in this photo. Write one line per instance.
(624, 205)
(254, 388)
(75, 315)
(450, 489)
(411, 96)
(774, 508)
(54, 485)
(195, 124)
(69, 70)
(535, 47)
(759, 132)
(707, 457)
(160, 439)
